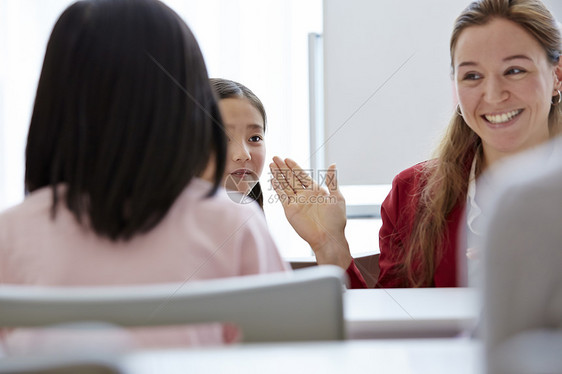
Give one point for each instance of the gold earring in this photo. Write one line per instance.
(559, 99)
(458, 110)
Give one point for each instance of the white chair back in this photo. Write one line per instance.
(294, 306)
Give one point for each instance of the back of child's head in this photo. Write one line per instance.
(124, 115)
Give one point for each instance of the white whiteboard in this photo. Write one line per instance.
(388, 94)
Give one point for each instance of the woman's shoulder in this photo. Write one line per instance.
(411, 176)
(405, 190)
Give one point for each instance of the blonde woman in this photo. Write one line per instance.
(505, 59)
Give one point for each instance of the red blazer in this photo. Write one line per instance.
(397, 212)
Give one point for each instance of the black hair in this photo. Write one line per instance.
(124, 115)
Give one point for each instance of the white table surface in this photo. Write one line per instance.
(369, 314)
(435, 356)
(410, 313)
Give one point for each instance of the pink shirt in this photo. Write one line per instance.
(200, 238)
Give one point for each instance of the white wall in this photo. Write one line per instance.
(25, 26)
(555, 7)
(381, 118)
(263, 44)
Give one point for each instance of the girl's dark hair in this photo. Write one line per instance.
(226, 89)
(124, 115)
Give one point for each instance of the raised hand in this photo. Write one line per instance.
(316, 213)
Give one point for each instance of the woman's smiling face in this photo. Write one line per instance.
(505, 85)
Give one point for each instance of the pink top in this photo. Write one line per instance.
(199, 238)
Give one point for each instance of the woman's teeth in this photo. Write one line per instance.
(501, 118)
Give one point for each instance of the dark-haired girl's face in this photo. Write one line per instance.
(246, 147)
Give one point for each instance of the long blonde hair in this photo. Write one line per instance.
(445, 179)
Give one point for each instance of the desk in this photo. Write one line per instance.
(407, 312)
(364, 200)
(435, 356)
